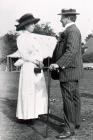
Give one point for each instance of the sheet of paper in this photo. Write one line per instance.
(46, 45)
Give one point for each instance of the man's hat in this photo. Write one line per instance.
(68, 12)
(26, 19)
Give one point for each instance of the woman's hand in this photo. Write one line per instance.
(40, 64)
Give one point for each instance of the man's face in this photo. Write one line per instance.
(63, 20)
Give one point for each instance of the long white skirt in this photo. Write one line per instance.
(32, 94)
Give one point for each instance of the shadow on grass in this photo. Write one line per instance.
(53, 121)
(54, 124)
(9, 108)
(41, 125)
(87, 95)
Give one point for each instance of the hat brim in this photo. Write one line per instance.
(27, 22)
(69, 13)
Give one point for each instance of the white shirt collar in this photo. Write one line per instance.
(69, 24)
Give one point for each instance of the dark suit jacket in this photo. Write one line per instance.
(68, 54)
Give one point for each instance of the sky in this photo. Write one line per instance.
(47, 11)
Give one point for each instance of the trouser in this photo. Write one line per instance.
(71, 103)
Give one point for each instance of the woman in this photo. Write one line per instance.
(32, 94)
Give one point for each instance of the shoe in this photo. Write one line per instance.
(30, 121)
(77, 126)
(65, 134)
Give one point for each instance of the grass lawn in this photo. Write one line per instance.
(11, 130)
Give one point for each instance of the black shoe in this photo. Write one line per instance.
(77, 126)
(28, 122)
(65, 134)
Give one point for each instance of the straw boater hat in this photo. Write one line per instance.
(68, 12)
(26, 19)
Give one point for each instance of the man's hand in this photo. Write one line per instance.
(53, 66)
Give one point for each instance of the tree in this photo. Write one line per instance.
(83, 48)
(9, 41)
(44, 29)
(7, 45)
(88, 58)
(88, 37)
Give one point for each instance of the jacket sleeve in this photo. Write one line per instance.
(72, 47)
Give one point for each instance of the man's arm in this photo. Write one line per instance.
(72, 48)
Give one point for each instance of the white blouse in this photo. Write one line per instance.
(28, 47)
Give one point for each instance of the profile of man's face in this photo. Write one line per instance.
(63, 20)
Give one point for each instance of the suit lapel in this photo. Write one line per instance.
(59, 49)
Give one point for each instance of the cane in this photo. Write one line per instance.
(48, 89)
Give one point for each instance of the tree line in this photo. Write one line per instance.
(9, 46)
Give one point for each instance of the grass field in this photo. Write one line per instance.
(11, 130)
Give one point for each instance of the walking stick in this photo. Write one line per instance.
(48, 89)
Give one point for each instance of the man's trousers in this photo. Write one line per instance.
(71, 103)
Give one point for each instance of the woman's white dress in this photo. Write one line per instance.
(32, 94)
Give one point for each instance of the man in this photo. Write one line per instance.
(67, 57)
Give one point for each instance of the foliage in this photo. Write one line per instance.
(88, 57)
(11, 36)
(44, 29)
(88, 37)
(83, 48)
(9, 43)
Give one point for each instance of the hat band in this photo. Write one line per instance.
(68, 13)
(32, 21)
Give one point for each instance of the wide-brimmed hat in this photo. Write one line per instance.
(68, 12)
(26, 19)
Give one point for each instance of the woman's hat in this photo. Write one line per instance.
(68, 12)
(26, 19)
